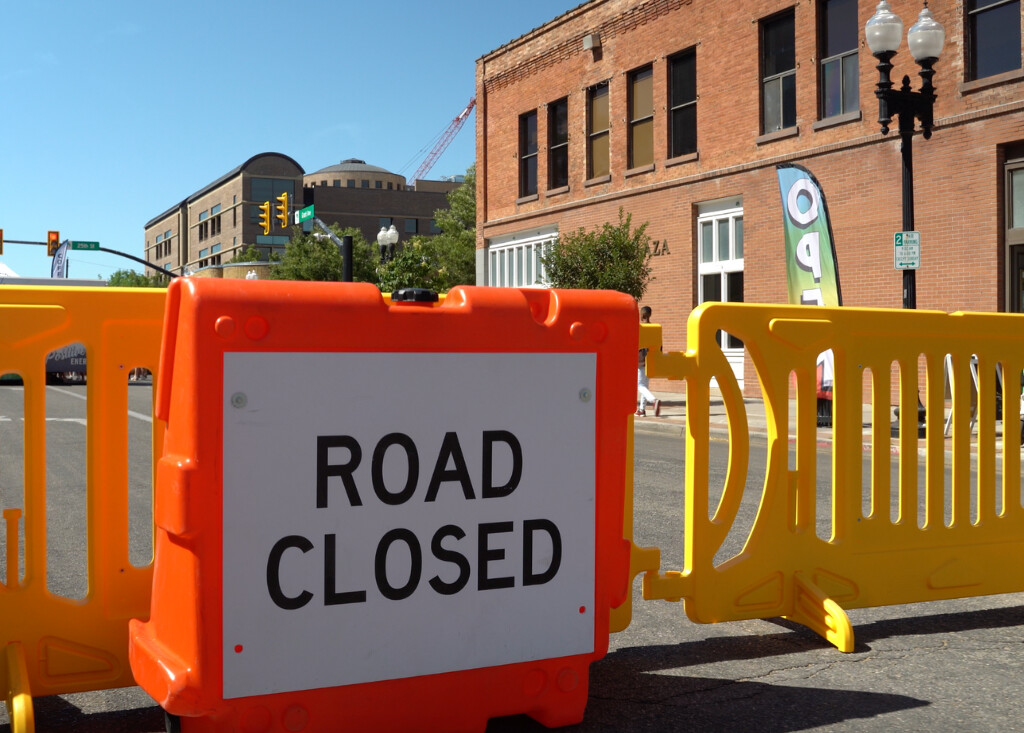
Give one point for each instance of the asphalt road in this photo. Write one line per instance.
(941, 666)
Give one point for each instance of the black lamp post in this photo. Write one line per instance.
(925, 38)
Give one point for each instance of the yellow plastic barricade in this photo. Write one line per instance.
(886, 544)
(386, 514)
(54, 644)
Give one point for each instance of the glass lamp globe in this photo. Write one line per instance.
(926, 37)
(884, 30)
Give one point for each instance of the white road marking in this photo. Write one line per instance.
(131, 413)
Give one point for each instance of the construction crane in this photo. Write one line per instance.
(443, 143)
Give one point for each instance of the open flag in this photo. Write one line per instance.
(812, 270)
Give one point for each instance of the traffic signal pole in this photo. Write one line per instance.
(103, 249)
(344, 246)
(140, 261)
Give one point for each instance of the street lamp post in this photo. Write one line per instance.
(883, 32)
(387, 238)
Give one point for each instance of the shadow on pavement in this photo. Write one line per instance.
(639, 689)
(909, 625)
(54, 714)
(638, 702)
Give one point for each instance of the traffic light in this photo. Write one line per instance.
(52, 242)
(265, 216)
(282, 210)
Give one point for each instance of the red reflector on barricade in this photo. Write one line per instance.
(377, 515)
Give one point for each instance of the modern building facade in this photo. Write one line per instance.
(216, 221)
(678, 113)
(212, 224)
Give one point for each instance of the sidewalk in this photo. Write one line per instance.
(673, 419)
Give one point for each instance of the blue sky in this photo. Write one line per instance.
(112, 112)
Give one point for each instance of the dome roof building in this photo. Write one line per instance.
(355, 173)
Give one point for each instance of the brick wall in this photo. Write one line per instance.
(958, 172)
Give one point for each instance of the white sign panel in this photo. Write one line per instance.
(398, 515)
(906, 250)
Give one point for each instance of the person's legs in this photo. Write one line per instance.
(642, 382)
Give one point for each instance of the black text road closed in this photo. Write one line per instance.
(447, 552)
(370, 515)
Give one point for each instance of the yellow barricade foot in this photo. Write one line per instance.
(19, 698)
(815, 610)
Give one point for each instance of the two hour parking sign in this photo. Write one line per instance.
(906, 250)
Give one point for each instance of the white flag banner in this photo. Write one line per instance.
(59, 266)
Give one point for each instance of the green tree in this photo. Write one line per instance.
(444, 260)
(252, 253)
(133, 279)
(613, 257)
(314, 256)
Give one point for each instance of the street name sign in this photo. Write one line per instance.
(906, 250)
(304, 214)
(85, 245)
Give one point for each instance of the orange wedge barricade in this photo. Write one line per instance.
(385, 515)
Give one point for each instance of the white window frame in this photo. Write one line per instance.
(729, 211)
(513, 260)
(718, 265)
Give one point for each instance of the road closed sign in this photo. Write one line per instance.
(394, 515)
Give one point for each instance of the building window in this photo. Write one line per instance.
(384, 222)
(1014, 218)
(390, 185)
(514, 261)
(993, 37)
(720, 252)
(378, 184)
(778, 73)
(682, 89)
(558, 144)
(434, 228)
(410, 226)
(350, 183)
(598, 130)
(268, 189)
(837, 37)
(336, 183)
(528, 154)
(365, 183)
(641, 117)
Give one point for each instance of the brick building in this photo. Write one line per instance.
(210, 225)
(679, 111)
